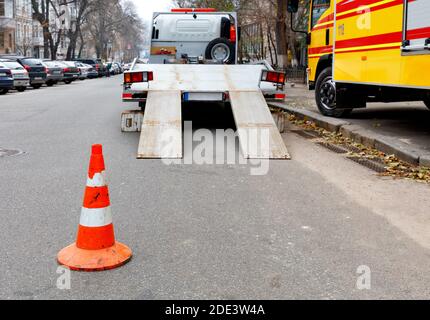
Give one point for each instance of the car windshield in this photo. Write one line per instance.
(13, 65)
(32, 62)
(69, 63)
(52, 64)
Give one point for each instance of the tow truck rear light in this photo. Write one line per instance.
(273, 76)
(186, 10)
(233, 34)
(280, 96)
(135, 77)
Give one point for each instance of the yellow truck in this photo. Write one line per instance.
(363, 51)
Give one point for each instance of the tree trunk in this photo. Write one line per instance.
(281, 34)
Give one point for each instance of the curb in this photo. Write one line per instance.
(361, 135)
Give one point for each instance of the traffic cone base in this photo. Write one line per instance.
(94, 260)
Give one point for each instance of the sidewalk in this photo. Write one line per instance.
(402, 129)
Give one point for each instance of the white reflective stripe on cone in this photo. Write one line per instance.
(99, 180)
(96, 217)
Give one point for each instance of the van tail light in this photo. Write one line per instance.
(233, 34)
(136, 77)
(274, 77)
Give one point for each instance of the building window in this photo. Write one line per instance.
(2, 11)
(1, 40)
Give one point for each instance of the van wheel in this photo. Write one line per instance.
(325, 94)
(221, 50)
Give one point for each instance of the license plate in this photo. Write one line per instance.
(38, 78)
(203, 96)
(2, 74)
(57, 72)
(75, 76)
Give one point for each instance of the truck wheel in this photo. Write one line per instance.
(221, 50)
(325, 94)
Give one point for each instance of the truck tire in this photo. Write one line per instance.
(221, 50)
(325, 95)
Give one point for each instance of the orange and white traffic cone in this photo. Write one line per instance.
(95, 248)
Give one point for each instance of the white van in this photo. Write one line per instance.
(194, 36)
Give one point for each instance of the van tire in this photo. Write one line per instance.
(325, 95)
(221, 43)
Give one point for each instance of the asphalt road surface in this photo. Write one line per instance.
(199, 232)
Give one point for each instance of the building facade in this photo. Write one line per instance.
(24, 27)
(7, 26)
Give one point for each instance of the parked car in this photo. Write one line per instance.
(126, 67)
(92, 73)
(21, 79)
(96, 64)
(35, 68)
(6, 79)
(114, 68)
(54, 72)
(86, 71)
(70, 71)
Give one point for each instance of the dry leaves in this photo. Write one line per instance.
(394, 167)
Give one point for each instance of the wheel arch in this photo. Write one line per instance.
(324, 62)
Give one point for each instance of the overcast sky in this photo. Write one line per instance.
(147, 7)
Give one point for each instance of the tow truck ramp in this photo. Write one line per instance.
(258, 134)
(161, 133)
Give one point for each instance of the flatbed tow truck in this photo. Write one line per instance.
(194, 58)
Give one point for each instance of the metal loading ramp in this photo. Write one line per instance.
(258, 134)
(161, 134)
